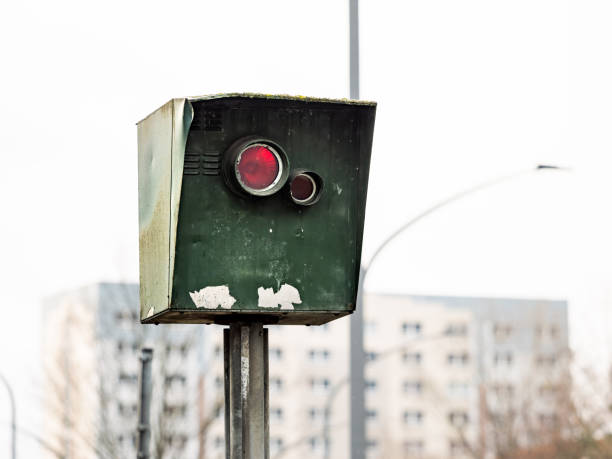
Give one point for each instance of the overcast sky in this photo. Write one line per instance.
(466, 91)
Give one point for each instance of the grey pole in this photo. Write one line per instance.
(357, 360)
(245, 350)
(13, 417)
(354, 47)
(144, 407)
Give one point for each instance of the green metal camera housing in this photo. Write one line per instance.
(211, 254)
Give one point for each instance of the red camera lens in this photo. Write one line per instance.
(258, 167)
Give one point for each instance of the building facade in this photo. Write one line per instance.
(445, 376)
(92, 342)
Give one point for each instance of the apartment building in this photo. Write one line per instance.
(442, 374)
(92, 342)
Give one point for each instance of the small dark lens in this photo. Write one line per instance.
(302, 188)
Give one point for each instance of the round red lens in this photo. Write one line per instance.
(258, 167)
(302, 187)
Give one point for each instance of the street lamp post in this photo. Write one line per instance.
(357, 353)
(13, 417)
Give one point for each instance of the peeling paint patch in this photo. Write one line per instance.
(213, 297)
(286, 296)
(151, 312)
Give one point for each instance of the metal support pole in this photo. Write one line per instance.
(354, 47)
(356, 341)
(357, 357)
(246, 391)
(144, 407)
(13, 418)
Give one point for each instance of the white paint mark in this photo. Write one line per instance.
(285, 297)
(213, 297)
(338, 189)
(151, 312)
(270, 229)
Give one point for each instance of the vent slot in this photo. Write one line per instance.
(208, 163)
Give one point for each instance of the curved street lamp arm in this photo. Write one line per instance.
(447, 201)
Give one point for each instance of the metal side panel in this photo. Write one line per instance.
(154, 183)
(181, 122)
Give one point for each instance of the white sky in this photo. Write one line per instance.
(466, 90)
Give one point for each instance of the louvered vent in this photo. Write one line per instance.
(202, 164)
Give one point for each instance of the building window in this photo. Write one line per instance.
(503, 359)
(503, 391)
(412, 358)
(546, 361)
(316, 443)
(554, 332)
(276, 414)
(371, 356)
(413, 418)
(457, 448)
(127, 410)
(547, 391)
(371, 415)
(317, 413)
(276, 444)
(318, 354)
(458, 418)
(414, 447)
(458, 389)
(175, 379)
(371, 445)
(276, 384)
(319, 384)
(128, 378)
(411, 329)
(371, 384)
(178, 441)
(218, 382)
(219, 442)
(175, 410)
(456, 329)
(413, 387)
(502, 331)
(218, 351)
(276, 353)
(458, 360)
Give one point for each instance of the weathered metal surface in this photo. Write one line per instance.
(154, 168)
(266, 257)
(246, 391)
(161, 146)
